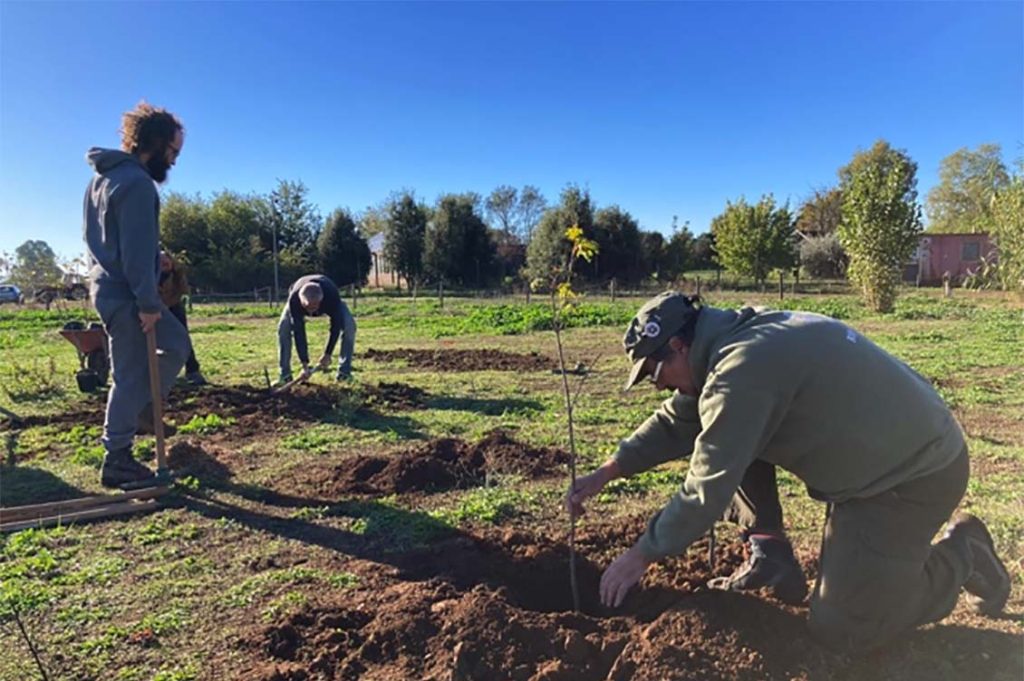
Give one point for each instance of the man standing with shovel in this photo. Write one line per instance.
(758, 389)
(121, 224)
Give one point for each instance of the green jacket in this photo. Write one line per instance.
(801, 391)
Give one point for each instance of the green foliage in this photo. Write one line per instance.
(823, 257)
(549, 250)
(821, 213)
(881, 220)
(31, 383)
(1008, 231)
(753, 240)
(204, 425)
(961, 203)
(487, 505)
(458, 249)
(617, 236)
(678, 255)
(344, 254)
(35, 265)
(501, 207)
(404, 236)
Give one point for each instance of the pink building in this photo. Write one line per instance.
(938, 254)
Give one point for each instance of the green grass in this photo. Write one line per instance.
(204, 425)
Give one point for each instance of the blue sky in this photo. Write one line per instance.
(663, 108)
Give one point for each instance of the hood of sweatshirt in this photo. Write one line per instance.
(102, 160)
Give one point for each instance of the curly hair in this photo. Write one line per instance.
(146, 127)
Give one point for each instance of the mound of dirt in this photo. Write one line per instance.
(393, 395)
(209, 465)
(465, 360)
(434, 466)
(497, 606)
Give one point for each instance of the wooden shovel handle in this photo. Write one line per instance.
(157, 400)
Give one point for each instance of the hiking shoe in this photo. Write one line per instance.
(988, 586)
(770, 563)
(120, 468)
(145, 424)
(342, 376)
(195, 378)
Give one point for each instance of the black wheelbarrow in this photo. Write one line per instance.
(93, 355)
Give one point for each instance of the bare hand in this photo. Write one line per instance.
(149, 320)
(325, 362)
(589, 485)
(624, 572)
(307, 371)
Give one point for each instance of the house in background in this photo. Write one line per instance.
(939, 254)
(382, 274)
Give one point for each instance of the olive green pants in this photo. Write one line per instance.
(880, 573)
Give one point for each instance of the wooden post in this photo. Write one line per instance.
(440, 292)
(613, 290)
(782, 285)
(718, 279)
(698, 285)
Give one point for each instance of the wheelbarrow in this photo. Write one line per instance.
(93, 358)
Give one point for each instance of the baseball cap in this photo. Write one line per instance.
(660, 318)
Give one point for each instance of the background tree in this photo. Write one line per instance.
(344, 254)
(1007, 227)
(679, 251)
(821, 212)
(373, 220)
(458, 247)
(619, 254)
(404, 236)
(752, 240)
(548, 250)
(881, 220)
(705, 257)
(532, 205)
(968, 180)
(298, 227)
(35, 266)
(652, 255)
(823, 257)
(502, 205)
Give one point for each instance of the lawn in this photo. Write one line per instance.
(311, 541)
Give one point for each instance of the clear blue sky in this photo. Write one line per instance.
(665, 109)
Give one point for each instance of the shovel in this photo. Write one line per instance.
(164, 476)
(303, 377)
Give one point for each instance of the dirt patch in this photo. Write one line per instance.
(209, 464)
(433, 466)
(393, 395)
(465, 360)
(496, 605)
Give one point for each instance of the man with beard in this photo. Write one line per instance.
(121, 225)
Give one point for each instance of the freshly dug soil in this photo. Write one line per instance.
(465, 360)
(393, 395)
(433, 466)
(497, 605)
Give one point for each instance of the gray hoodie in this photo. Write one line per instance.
(122, 229)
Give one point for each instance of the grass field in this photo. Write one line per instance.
(254, 537)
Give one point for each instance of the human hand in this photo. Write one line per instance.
(307, 371)
(148, 320)
(589, 485)
(325, 362)
(624, 572)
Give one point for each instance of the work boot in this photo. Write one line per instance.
(343, 376)
(988, 586)
(770, 562)
(145, 426)
(195, 378)
(120, 468)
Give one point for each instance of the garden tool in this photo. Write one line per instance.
(303, 377)
(164, 475)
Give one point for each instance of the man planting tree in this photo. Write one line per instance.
(315, 295)
(122, 231)
(758, 389)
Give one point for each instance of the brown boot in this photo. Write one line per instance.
(988, 586)
(145, 426)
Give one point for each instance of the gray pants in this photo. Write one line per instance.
(130, 392)
(880, 573)
(347, 341)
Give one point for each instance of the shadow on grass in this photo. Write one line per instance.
(495, 407)
(21, 485)
(366, 419)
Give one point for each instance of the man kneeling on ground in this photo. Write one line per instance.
(758, 389)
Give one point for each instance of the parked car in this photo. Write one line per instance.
(9, 293)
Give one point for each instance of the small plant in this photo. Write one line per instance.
(204, 425)
(33, 383)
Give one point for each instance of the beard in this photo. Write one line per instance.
(157, 166)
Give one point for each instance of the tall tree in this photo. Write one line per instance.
(532, 205)
(618, 256)
(298, 221)
(968, 180)
(1008, 231)
(404, 236)
(458, 247)
(705, 257)
(653, 255)
(754, 239)
(344, 254)
(501, 205)
(881, 220)
(548, 250)
(678, 251)
(35, 266)
(373, 220)
(821, 212)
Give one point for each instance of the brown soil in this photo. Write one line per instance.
(497, 605)
(432, 466)
(394, 396)
(464, 360)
